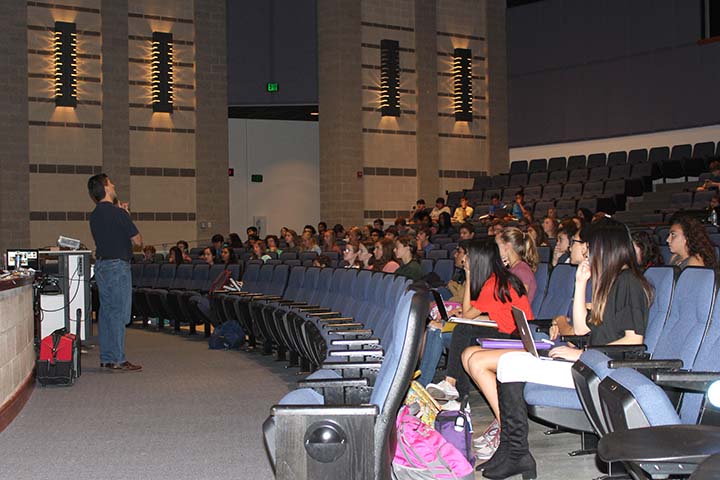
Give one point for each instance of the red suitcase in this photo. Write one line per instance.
(57, 364)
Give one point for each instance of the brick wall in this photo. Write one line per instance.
(17, 354)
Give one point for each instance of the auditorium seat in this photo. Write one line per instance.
(638, 156)
(617, 158)
(599, 173)
(518, 180)
(620, 171)
(576, 161)
(557, 164)
(538, 179)
(558, 176)
(595, 160)
(437, 254)
(578, 175)
(444, 268)
(500, 181)
(537, 165)
(541, 279)
(532, 193)
(594, 188)
(552, 191)
(482, 182)
(518, 166)
(566, 207)
(681, 200)
(572, 190)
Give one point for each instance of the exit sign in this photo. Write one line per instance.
(273, 87)
(256, 178)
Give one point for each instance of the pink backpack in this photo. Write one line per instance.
(422, 453)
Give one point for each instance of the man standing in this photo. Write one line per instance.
(114, 234)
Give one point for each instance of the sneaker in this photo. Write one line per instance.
(442, 391)
(485, 452)
(490, 432)
(452, 405)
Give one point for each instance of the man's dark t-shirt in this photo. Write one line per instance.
(112, 229)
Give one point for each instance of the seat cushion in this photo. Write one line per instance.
(302, 396)
(546, 396)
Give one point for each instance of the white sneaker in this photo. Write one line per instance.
(486, 452)
(442, 391)
(453, 405)
(490, 432)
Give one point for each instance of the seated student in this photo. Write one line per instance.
(293, 241)
(330, 242)
(440, 207)
(310, 243)
(339, 231)
(520, 256)
(234, 241)
(402, 227)
(418, 210)
(490, 289)
(252, 234)
(621, 299)
(464, 212)
(207, 256)
(712, 183)
(518, 209)
(148, 254)
(321, 227)
(445, 224)
(379, 224)
(259, 251)
(321, 261)
(227, 256)
(536, 231)
(552, 213)
(391, 233)
(383, 254)
(354, 237)
(647, 252)
(375, 235)
(550, 226)
(175, 256)
(496, 227)
(309, 229)
(466, 231)
(217, 243)
(272, 243)
(350, 256)
(690, 244)
(365, 256)
(423, 241)
(405, 251)
(437, 335)
(200, 304)
(561, 252)
(714, 210)
(184, 247)
(495, 205)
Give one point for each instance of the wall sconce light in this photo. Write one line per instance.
(389, 78)
(462, 84)
(65, 44)
(162, 72)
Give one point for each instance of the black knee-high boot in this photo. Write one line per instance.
(513, 432)
(503, 449)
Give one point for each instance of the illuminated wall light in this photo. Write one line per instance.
(462, 84)
(389, 78)
(162, 72)
(65, 46)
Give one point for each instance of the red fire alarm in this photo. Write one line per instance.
(231, 172)
(359, 174)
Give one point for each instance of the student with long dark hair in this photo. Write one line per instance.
(690, 244)
(646, 251)
(621, 299)
(490, 289)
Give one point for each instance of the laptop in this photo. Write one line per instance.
(521, 322)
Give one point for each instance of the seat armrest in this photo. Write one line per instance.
(326, 314)
(335, 320)
(357, 353)
(312, 310)
(359, 331)
(342, 365)
(541, 325)
(646, 364)
(356, 342)
(577, 340)
(333, 383)
(684, 380)
(623, 352)
(344, 325)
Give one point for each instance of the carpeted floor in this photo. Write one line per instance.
(191, 414)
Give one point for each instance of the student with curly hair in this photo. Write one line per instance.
(646, 251)
(690, 244)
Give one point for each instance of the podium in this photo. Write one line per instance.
(59, 310)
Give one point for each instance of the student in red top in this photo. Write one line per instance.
(495, 291)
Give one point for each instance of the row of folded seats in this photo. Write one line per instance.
(166, 291)
(621, 387)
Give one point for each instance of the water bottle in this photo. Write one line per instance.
(18, 260)
(713, 217)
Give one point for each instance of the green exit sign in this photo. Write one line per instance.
(273, 87)
(256, 178)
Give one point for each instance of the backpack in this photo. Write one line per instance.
(455, 426)
(228, 335)
(422, 453)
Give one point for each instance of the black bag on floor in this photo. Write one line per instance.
(226, 336)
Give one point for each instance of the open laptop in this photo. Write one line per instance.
(521, 322)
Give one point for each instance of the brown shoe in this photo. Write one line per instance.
(130, 367)
(111, 367)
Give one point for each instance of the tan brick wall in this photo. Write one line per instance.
(17, 355)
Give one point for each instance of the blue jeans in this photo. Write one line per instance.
(114, 284)
(435, 341)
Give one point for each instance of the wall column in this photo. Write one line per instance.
(340, 108)
(211, 118)
(14, 160)
(497, 141)
(428, 181)
(115, 96)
